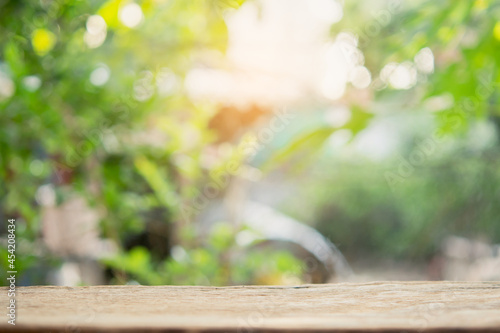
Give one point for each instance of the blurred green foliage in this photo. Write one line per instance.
(464, 37)
(79, 116)
(220, 261)
(365, 216)
(371, 208)
(75, 118)
(61, 128)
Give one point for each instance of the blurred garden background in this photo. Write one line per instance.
(222, 142)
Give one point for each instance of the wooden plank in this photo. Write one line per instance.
(343, 307)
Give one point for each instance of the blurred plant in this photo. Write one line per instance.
(219, 261)
(449, 47)
(434, 56)
(453, 193)
(429, 58)
(92, 101)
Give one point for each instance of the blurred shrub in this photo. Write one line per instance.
(218, 261)
(92, 103)
(366, 215)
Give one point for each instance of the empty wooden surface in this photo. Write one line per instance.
(343, 307)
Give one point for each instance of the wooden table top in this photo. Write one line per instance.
(342, 307)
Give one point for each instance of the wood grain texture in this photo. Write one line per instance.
(343, 307)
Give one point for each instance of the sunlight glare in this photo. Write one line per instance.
(329, 11)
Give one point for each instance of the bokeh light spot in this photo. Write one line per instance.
(95, 24)
(338, 117)
(32, 83)
(424, 60)
(360, 77)
(96, 31)
(131, 15)
(166, 82)
(144, 87)
(399, 76)
(43, 41)
(100, 75)
(46, 195)
(339, 138)
(37, 167)
(496, 31)
(7, 87)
